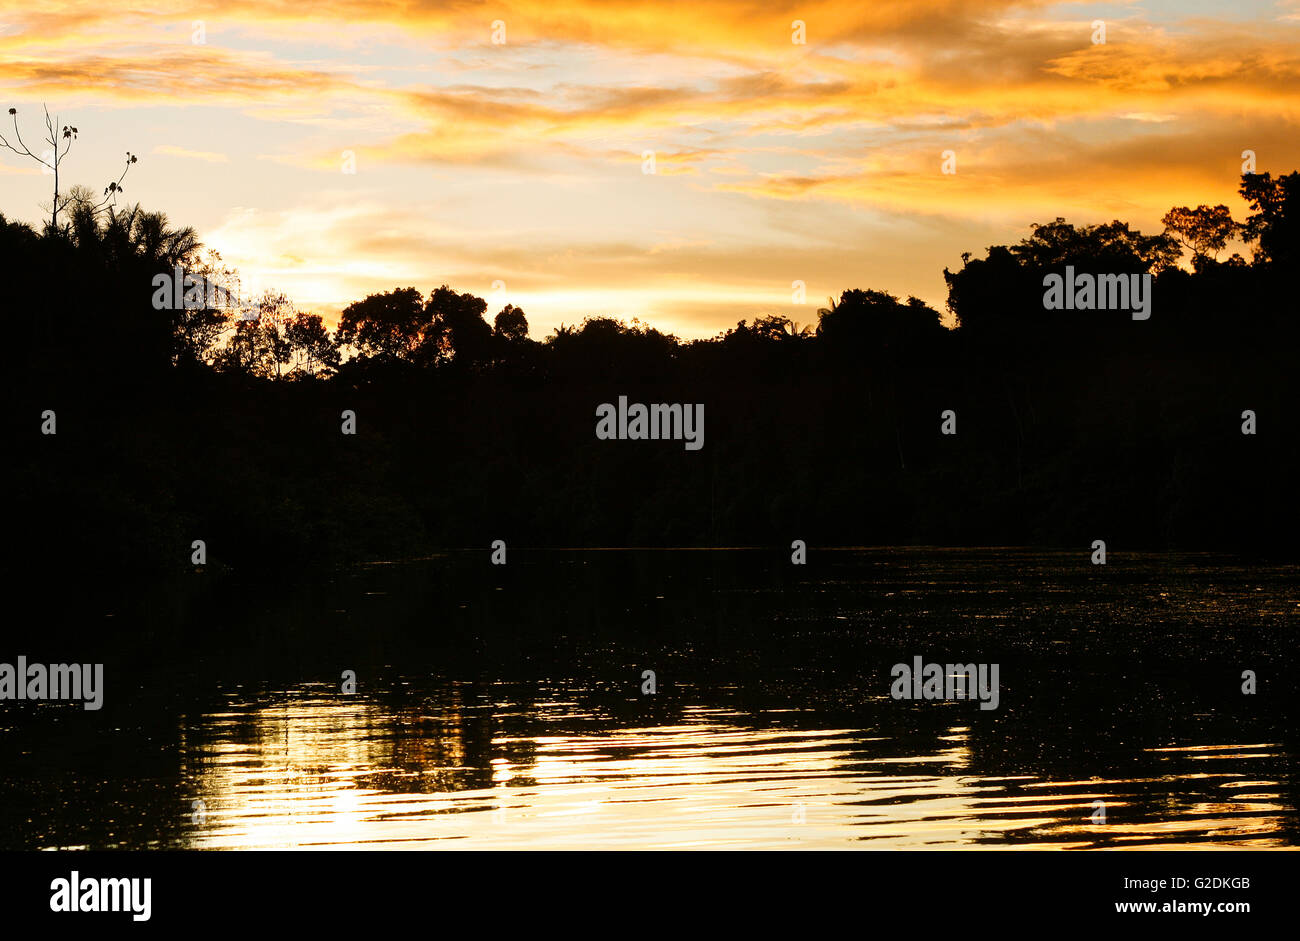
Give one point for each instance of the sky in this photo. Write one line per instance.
(338, 148)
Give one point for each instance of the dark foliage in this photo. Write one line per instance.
(175, 425)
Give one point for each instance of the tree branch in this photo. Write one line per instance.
(116, 186)
(26, 151)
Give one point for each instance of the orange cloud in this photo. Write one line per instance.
(773, 139)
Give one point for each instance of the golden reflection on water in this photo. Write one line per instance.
(317, 771)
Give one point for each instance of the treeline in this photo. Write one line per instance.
(223, 424)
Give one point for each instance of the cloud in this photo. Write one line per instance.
(1029, 174)
(775, 155)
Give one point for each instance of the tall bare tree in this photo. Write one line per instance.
(60, 142)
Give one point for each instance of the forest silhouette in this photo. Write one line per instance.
(1071, 425)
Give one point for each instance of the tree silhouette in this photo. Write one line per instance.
(873, 324)
(199, 419)
(457, 331)
(510, 324)
(60, 144)
(1275, 224)
(387, 327)
(1205, 230)
(313, 351)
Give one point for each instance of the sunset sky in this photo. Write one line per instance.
(521, 161)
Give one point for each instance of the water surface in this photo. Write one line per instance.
(503, 707)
